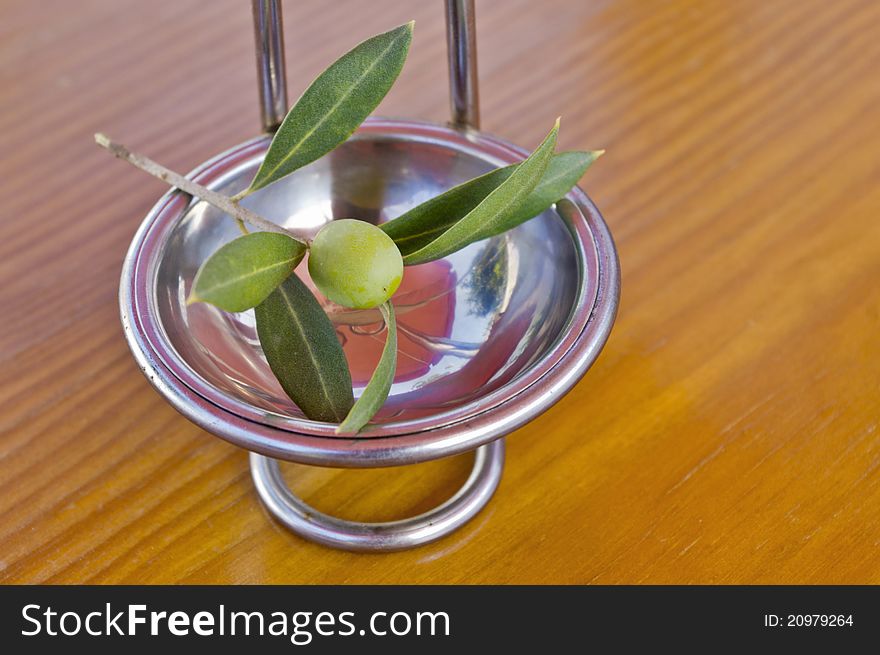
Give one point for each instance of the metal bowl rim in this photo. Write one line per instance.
(458, 430)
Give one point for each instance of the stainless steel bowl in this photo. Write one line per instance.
(489, 337)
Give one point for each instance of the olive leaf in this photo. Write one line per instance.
(377, 388)
(242, 273)
(494, 212)
(302, 349)
(335, 104)
(419, 226)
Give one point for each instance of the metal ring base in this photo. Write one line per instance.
(379, 537)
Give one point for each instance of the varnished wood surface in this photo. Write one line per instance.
(729, 431)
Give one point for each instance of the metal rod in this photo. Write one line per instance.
(461, 38)
(269, 41)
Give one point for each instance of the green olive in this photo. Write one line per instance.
(355, 264)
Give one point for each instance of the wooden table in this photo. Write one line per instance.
(728, 432)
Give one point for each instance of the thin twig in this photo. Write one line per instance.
(224, 203)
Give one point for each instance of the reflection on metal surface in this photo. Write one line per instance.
(486, 281)
(459, 320)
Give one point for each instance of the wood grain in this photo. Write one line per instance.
(729, 431)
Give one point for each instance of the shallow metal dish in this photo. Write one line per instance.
(490, 336)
